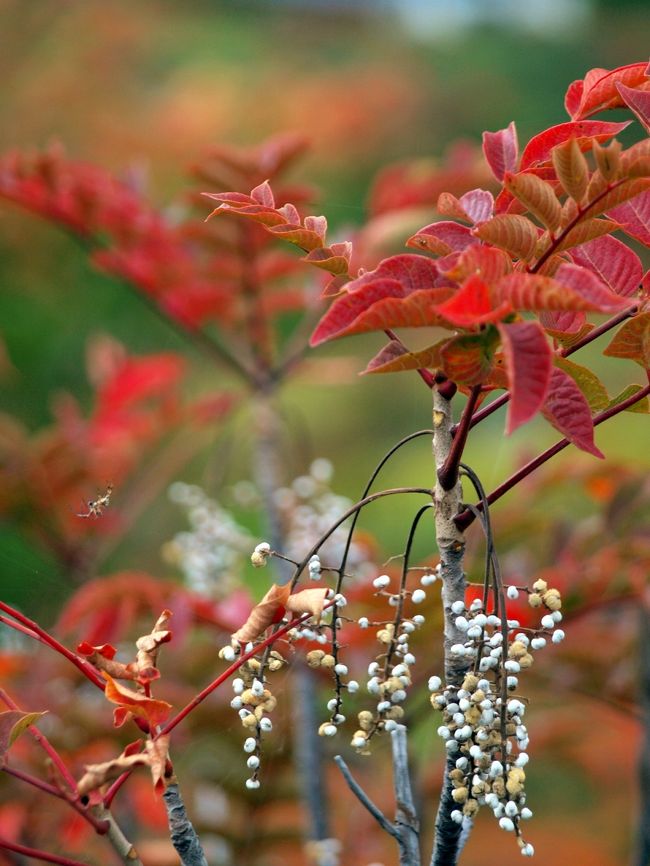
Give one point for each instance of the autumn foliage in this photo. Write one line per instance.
(506, 282)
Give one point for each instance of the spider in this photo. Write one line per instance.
(96, 506)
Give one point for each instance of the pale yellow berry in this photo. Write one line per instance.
(315, 658)
(552, 599)
(365, 720)
(525, 661)
(470, 682)
(535, 599)
(517, 649)
(470, 808)
(328, 661)
(459, 795)
(250, 721)
(540, 585)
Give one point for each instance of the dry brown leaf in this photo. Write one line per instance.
(129, 701)
(307, 601)
(263, 614)
(158, 754)
(148, 646)
(97, 775)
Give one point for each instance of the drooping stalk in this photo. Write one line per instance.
(451, 547)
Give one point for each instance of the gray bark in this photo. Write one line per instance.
(451, 546)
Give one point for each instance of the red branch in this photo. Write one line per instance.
(466, 518)
(202, 695)
(37, 854)
(45, 637)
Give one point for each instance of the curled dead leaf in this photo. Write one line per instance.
(153, 711)
(263, 614)
(148, 646)
(307, 601)
(97, 775)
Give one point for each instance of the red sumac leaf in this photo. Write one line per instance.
(537, 196)
(478, 204)
(538, 150)
(632, 341)
(613, 262)
(346, 309)
(449, 205)
(501, 150)
(590, 385)
(528, 361)
(263, 194)
(330, 259)
(515, 234)
(571, 168)
(634, 216)
(442, 237)
(567, 410)
(599, 89)
(637, 101)
(411, 271)
(535, 292)
(472, 305)
(301, 237)
(585, 231)
(593, 290)
(490, 263)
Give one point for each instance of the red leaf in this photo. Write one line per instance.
(538, 150)
(587, 284)
(490, 263)
(634, 217)
(515, 234)
(346, 309)
(335, 259)
(599, 89)
(155, 712)
(296, 234)
(535, 292)
(105, 650)
(613, 262)
(472, 305)
(478, 204)
(411, 271)
(442, 237)
(637, 101)
(528, 360)
(537, 195)
(395, 358)
(562, 321)
(568, 411)
(263, 194)
(501, 150)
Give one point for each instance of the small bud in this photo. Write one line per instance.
(434, 683)
(506, 824)
(266, 724)
(341, 669)
(512, 592)
(261, 554)
(540, 585)
(327, 730)
(381, 582)
(535, 599)
(253, 762)
(548, 621)
(458, 607)
(558, 636)
(252, 783)
(418, 596)
(363, 622)
(250, 744)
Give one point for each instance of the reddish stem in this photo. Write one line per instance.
(448, 473)
(100, 827)
(85, 667)
(466, 518)
(37, 854)
(44, 743)
(202, 695)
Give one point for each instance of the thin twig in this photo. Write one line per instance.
(406, 819)
(37, 854)
(364, 799)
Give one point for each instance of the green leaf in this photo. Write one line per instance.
(12, 724)
(592, 388)
(642, 407)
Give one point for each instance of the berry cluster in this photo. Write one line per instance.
(482, 720)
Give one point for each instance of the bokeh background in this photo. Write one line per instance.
(144, 89)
